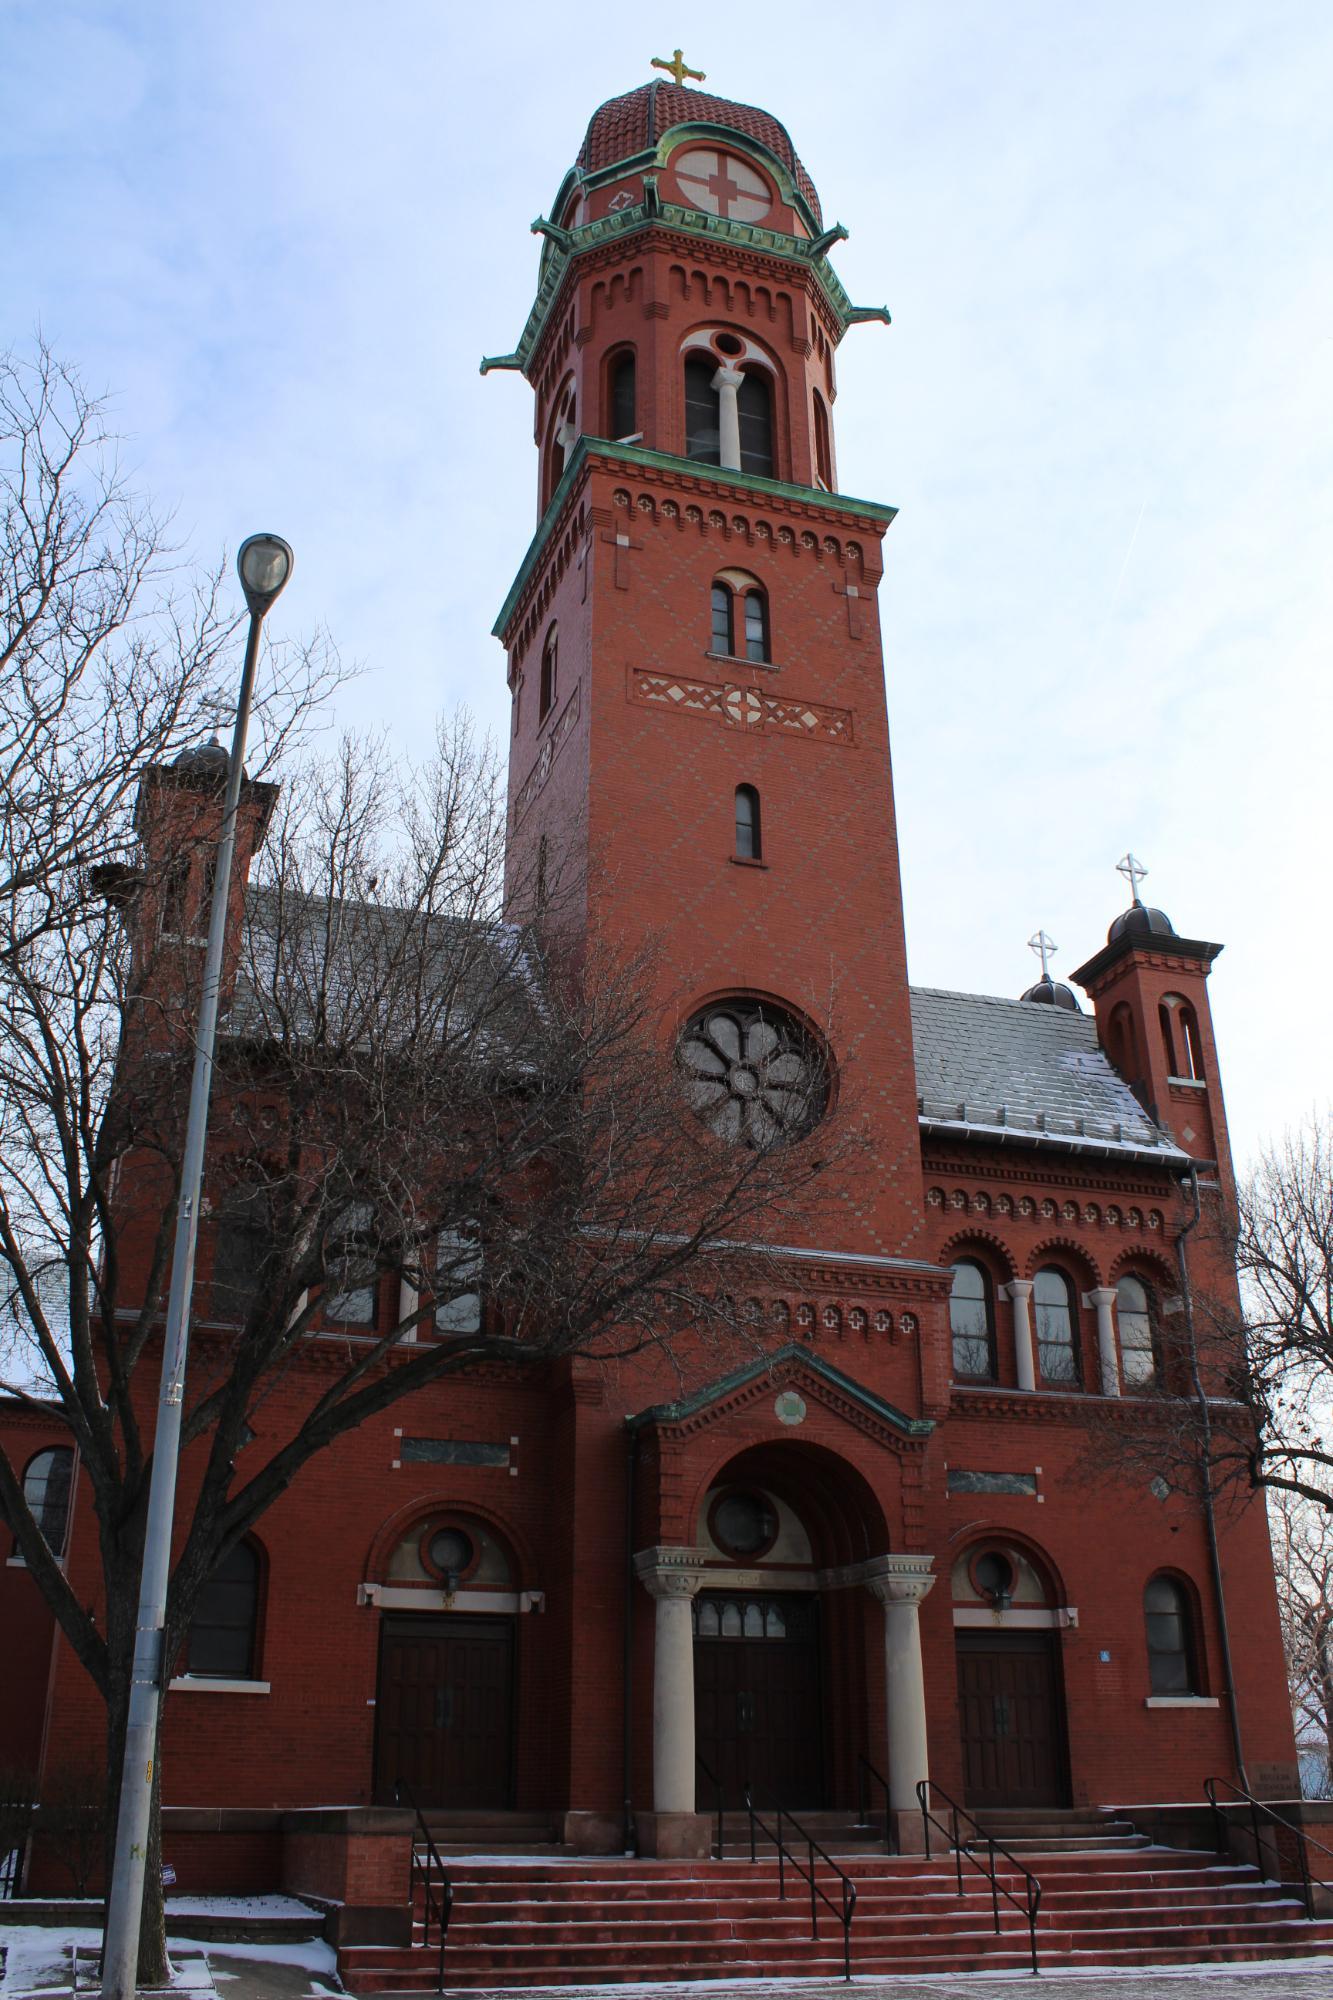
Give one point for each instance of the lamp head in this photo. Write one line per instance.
(263, 563)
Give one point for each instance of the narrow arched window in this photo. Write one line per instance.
(1172, 1662)
(754, 405)
(542, 862)
(823, 445)
(1122, 1043)
(47, 1485)
(175, 898)
(1168, 1040)
(241, 1249)
(703, 432)
(1138, 1355)
(972, 1323)
(623, 396)
(756, 625)
(1053, 1312)
(1192, 1046)
(225, 1625)
(723, 637)
(350, 1260)
(749, 845)
(550, 656)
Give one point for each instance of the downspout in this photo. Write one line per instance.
(1210, 1512)
(631, 1844)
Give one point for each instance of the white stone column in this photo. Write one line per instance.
(727, 382)
(1103, 1298)
(408, 1301)
(900, 1583)
(1020, 1291)
(672, 1577)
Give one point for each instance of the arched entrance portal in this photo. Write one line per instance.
(780, 1685)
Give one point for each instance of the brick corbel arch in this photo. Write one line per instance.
(957, 1244)
(1067, 1247)
(1133, 1258)
(975, 1532)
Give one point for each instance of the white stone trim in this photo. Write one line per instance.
(404, 1597)
(1037, 1618)
(1182, 1701)
(206, 1684)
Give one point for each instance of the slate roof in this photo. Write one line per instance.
(987, 1066)
(625, 126)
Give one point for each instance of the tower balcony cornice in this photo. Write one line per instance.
(684, 474)
(566, 249)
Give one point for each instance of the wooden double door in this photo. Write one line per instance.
(444, 1714)
(1011, 1718)
(757, 1709)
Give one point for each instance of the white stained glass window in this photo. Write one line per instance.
(457, 1276)
(970, 1324)
(1053, 1310)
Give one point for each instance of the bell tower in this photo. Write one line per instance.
(699, 746)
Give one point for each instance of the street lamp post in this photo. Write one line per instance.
(264, 563)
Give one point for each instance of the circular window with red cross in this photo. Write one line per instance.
(720, 184)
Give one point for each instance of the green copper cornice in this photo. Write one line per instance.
(749, 485)
(563, 246)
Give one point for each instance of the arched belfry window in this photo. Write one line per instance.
(561, 439)
(972, 1323)
(1180, 1039)
(823, 445)
(703, 434)
(550, 659)
(755, 405)
(749, 839)
(622, 396)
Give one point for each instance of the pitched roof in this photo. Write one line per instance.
(987, 1066)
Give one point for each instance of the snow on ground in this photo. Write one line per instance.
(240, 1907)
(37, 1957)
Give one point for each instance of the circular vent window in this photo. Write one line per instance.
(753, 1074)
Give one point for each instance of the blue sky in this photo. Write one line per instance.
(285, 233)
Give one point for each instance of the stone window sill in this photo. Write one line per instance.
(737, 660)
(746, 861)
(1182, 1701)
(1188, 1082)
(204, 1684)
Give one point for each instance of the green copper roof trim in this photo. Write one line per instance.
(713, 1392)
(557, 257)
(749, 483)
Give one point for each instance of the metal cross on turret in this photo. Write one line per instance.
(1045, 949)
(678, 67)
(1134, 871)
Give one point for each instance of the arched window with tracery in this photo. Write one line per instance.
(1173, 1655)
(749, 838)
(738, 613)
(1181, 1039)
(550, 660)
(1056, 1325)
(223, 1636)
(972, 1322)
(1138, 1347)
(47, 1488)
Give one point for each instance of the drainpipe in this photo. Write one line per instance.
(1206, 1439)
(631, 1844)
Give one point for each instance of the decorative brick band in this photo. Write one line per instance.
(746, 708)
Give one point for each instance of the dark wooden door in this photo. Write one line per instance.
(444, 1712)
(757, 1697)
(1011, 1719)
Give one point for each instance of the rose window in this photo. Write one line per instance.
(753, 1074)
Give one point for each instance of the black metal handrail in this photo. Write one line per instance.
(719, 1848)
(866, 1770)
(963, 1851)
(818, 1894)
(1257, 1806)
(426, 1873)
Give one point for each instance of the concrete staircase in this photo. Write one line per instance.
(1057, 1830)
(530, 1923)
(478, 1832)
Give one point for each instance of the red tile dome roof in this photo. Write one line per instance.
(631, 124)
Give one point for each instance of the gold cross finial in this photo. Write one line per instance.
(678, 67)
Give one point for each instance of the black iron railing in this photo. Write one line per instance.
(866, 1775)
(430, 1873)
(1304, 1841)
(965, 1850)
(844, 1910)
(719, 1805)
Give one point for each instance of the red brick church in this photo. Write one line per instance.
(568, 1598)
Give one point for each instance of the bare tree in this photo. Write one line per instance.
(439, 1137)
(1303, 1547)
